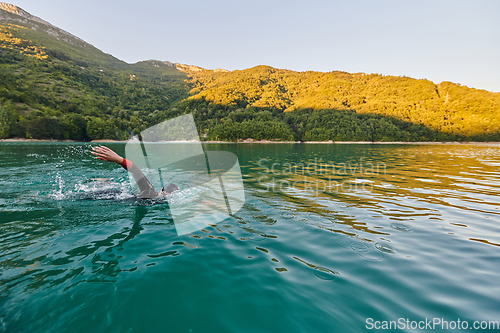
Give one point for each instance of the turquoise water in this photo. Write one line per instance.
(389, 232)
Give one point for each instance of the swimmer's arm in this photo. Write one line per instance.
(105, 154)
(108, 155)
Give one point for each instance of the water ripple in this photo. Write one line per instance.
(298, 259)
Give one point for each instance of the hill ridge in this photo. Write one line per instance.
(21, 12)
(15, 10)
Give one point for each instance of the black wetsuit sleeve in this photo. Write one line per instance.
(146, 189)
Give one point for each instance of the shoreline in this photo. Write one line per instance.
(270, 141)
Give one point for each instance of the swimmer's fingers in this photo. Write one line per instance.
(106, 154)
(105, 149)
(100, 149)
(97, 152)
(98, 156)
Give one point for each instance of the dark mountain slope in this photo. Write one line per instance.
(55, 85)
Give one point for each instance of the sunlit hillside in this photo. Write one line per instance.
(447, 107)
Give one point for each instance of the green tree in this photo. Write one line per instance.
(7, 120)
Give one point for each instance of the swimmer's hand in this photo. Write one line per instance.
(106, 154)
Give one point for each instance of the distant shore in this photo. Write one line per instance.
(272, 141)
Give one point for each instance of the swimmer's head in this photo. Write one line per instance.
(169, 188)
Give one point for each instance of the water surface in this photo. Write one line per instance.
(330, 235)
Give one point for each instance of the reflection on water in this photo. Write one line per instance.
(329, 236)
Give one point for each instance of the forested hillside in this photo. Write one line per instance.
(447, 108)
(54, 85)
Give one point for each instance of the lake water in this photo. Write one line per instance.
(330, 237)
